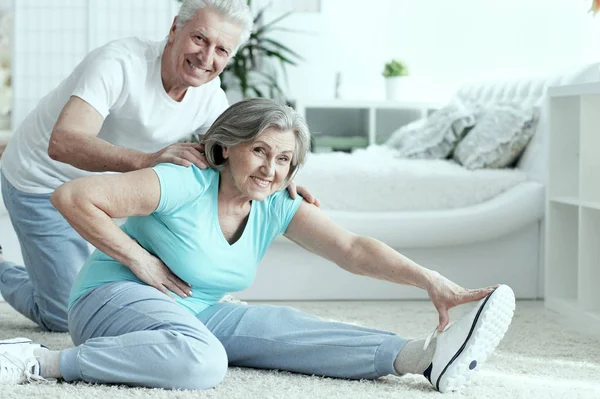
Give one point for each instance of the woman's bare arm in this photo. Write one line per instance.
(314, 231)
(89, 205)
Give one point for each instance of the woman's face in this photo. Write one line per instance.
(202, 48)
(259, 168)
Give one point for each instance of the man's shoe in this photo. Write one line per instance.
(17, 361)
(466, 344)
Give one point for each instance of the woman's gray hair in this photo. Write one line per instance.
(236, 11)
(244, 121)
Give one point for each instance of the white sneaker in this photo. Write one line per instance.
(466, 344)
(17, 361)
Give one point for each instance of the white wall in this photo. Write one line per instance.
(53, 36)
(443, 42)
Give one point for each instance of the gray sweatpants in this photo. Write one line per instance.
(53, 254)
(129, 333)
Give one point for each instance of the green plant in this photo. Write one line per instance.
(595, 7)
(395, 68)
(247, 70)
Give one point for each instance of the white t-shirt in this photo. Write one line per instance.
(122, 81)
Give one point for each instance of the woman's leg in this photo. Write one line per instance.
(128, 333)
(279, 337)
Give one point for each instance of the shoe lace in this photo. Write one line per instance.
(13, 369)
(434, 334)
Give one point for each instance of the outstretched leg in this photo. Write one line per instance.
(280, 337)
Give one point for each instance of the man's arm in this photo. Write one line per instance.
(74, 141)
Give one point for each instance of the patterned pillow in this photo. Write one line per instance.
(434, 137)
(499, 137)
(396, 140)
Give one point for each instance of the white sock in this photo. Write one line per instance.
(49, 362)
(412, 359)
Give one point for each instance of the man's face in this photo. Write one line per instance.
(202, 47)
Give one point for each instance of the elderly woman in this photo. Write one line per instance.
(125, 107)
(204, 232)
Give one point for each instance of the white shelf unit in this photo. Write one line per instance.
(573, 208)
(344, 125)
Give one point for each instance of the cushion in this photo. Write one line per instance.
(499, 137)
(433, 137)
(397, 138)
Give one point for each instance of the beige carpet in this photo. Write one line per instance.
(540, 357)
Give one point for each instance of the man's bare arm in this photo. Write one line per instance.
(74, 141)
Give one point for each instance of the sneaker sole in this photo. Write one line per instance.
(15, 341)
(488, 328)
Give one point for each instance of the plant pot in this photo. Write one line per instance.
(396, 88)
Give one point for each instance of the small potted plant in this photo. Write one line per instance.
(395, 73)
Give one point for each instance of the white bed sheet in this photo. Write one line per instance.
(374, 179)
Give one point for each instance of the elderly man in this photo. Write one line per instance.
(123, 108)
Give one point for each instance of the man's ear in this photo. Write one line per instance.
(173, 30)
(225, 152)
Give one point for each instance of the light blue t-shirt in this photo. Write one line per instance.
(184, 232)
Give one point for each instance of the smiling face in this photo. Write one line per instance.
(199, 51)
(257, 169)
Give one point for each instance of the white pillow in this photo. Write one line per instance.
(435, 136)
(396, 140)
(499, 137)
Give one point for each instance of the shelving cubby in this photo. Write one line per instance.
(342, 125)
(572, 259)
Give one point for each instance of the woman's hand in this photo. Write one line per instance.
(152, 271)
(445, 295)
(308, 197)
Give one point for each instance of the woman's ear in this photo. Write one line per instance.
(225, 152)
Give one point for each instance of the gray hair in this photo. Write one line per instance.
(236, 11)
(244, 121)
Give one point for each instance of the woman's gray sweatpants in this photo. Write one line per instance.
(129, 333)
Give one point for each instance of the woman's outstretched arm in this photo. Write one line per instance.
(314, 231)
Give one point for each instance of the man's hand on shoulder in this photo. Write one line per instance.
(184, 154)
(308, 197)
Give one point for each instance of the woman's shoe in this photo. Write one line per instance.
(466, 344)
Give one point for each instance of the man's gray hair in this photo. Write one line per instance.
(244, 121)
(236, 11)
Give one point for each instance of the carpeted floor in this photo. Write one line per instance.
(540, 357)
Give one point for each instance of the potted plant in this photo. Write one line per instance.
(395, 73)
